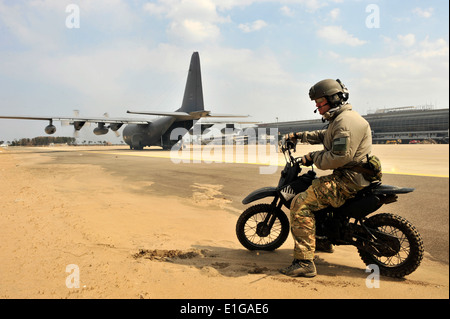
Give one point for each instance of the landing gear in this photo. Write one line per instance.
(139, 147)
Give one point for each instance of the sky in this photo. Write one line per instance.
(258, 57)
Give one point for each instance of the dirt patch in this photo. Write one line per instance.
(209, 195)
(168, 255)
(211, 264)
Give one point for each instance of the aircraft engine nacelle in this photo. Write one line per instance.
(101, 129)
(50, 129)
(230, 128)
(78, 125)
(115, 126)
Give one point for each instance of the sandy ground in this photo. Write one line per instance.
(62, 220)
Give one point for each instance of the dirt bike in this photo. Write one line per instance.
(386, 240)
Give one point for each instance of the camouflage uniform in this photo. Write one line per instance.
(346, 142)
(328, 190)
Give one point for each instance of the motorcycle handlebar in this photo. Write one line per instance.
(287, 144)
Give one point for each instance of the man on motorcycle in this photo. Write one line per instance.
(347, 141)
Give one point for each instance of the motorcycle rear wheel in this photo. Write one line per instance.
(409, 249)
(254, 234)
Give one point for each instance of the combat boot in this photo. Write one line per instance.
(300, 268)
(324, 246)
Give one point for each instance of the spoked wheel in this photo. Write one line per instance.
(400, 252)
(261, 227)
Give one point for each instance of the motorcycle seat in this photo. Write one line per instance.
(389, 189)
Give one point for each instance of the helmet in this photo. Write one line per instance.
(333, 90)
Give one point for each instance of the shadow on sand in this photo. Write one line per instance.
(215, 261)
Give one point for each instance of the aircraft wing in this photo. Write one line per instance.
(104, 123)
(225, 115)
(186, 115)
(80, 119)
(207, 121)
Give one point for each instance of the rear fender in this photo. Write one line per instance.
(389, 190)
(260, 194)
(360, 206)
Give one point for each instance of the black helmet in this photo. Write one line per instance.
(333, 90)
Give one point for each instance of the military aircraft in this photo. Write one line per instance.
(140, 132)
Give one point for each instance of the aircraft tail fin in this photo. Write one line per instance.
(192, 107)
(193, 92)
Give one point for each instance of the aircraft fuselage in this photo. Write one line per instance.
(141, 135)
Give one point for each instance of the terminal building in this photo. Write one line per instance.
(401, 125)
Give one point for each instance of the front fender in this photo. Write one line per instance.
(259, 194)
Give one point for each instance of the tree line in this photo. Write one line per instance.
(43, 140)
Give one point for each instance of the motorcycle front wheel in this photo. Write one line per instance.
(262, 227)
(399, 254)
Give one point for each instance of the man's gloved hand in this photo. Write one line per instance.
(291, 136)
(307, 160)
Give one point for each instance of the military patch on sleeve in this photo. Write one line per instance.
(340, 145)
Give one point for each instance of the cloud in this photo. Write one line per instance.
(407, 40)
(285, 10)
(254, 26)
(190, 21)
(310, 5)
(337, 35)
(399, 77)
(194, 31)
(199, 21)
(30, 25)
(334, 14)
(436, 49)
(109, 78)
(155, 9)
(241, 79)
(41, 24)
(423, 13)
(423, 60)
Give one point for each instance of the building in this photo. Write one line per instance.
(402, 125)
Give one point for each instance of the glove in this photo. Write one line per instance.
(291, 136)
(306, 161)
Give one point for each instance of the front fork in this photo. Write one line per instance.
(263, 228)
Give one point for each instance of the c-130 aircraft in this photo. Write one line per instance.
(140, 132)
